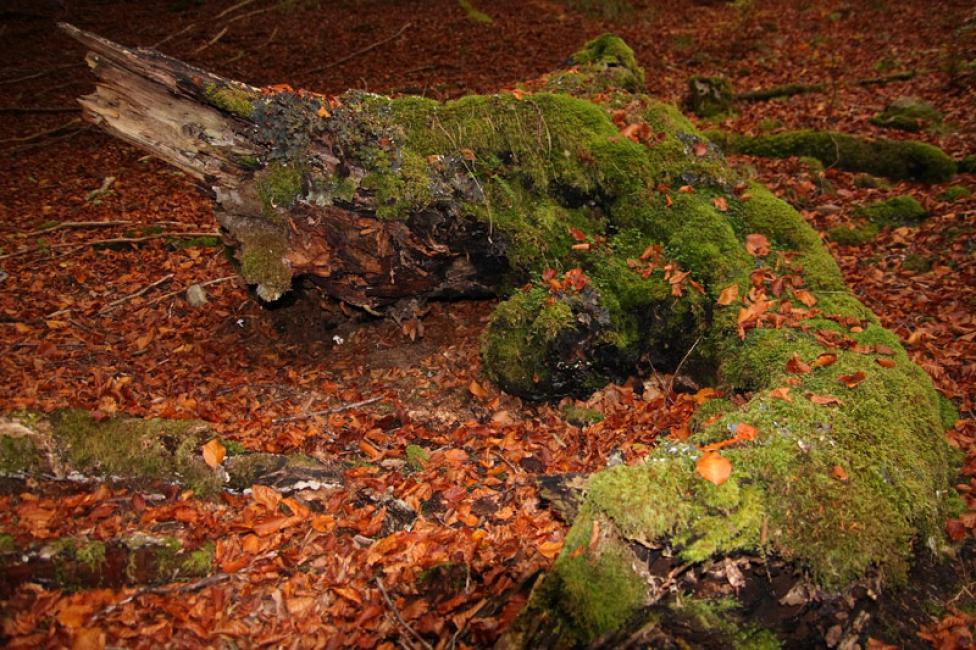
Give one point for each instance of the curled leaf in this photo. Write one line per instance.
(757, 244)
(825, 359)
(854, 379)
(213, 453)
(729, 295)
(796, 365)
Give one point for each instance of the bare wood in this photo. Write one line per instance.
(77, 224)
(124, 299)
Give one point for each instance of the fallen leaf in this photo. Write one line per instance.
(796, 365)
(838, 473)
(782, 393)
(745, 431)
(88, 638)
(824, 400)
(714, 467)
(805, 297)
(700, 149)
(757, 244)
(854, 379)
(349, 594)
(550, 549)
(729, 295)
(477, 390)
(720, 204)
(213, 453)
(885, 363)
(266, 496)
(824, 359)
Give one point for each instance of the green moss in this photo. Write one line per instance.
(717, 619)
(17, 455)
(869, 181)
(417, 457)
(609, 51)
(954, 193)
(899, 210)
(896, 159)
(262, 261)
(198, 562)
(908, 114)
(709, 96)
(967, 165)
(7, 544)
(232, 99)
(597, 590)
(853, 236)
(581, 417)
(91, 554)
(279, 186)
(916, 263)
(136, 448)
(474, 14)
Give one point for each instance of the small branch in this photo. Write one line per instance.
(178, 292)
(677, 369)
(329, 411)
(353, 55)
(213, 40)
(117, 240)
(172, 36)
(77, 224)
(40, 109)
(38, 75)
(149, 287)
(41, 134)
(233, 8)
(253, 13)
(396, 613)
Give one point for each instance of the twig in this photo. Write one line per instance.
(77, 224)
(396, 612)
(39, 109)
(41, 134)
(37, 75)
(172, 36)
(178, 292)
(334, 409)
(360, 51)
(253, 13)
(677, 369)
(213, 40)
(233, 8)
(116, 240)
(44, 143)
(115, 303)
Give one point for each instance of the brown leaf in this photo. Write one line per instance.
(213, 453)
(720, 204)
(854, 379)
(714, 467)
(266, 496)
(824, 359)
(745, 431)
(729, 295)
(782, 393)
(700, 149)
(805, 297)
(757, 244)
(885, 363)
(838, 473)
(824, 400)
(477, 390)
(550, 549)
(796, 365)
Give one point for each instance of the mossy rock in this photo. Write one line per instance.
(967, 165)
(709, 97)
(853, 235)
(895, 159)
(901, 210)
(908, 114)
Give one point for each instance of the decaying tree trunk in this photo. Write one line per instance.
(618, 238)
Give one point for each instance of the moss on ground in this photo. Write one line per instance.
(908, 114)
(902, 210)
(709, 97)
(232, 99)
(895, 159)
(955, 193)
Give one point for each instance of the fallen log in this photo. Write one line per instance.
(619, 240)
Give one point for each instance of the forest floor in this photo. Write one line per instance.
(436, 436)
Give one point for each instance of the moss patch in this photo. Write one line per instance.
(709, 96)
(908, 114)
(902, 210)
(955, 193)
(232, 99)
(896, 159)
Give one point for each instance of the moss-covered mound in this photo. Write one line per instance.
(709, 96)
(619, 239)
(908, 114)
(896, 159)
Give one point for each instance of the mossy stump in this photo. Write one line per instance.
(618, 239)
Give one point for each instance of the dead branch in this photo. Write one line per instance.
(44, 133)
(353, 55)
(329, 411)
(149, 287)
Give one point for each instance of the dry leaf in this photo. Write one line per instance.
(213, 453)
(838, 473)
(757, 244)
(714, 467)
(805, 297)
(745, 431)
(477, 390)
(729, 295)
(550, 549)
(796, 365)
(720, 204)
(266, 496)
(782, 393)
(885, 363)
(854, 379)
(824, 359)
(824, 400)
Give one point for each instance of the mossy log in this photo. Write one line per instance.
(618, 239)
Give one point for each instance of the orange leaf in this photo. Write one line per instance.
(700, 149)
(720, 204)
(824, 359)
(805, 297)
(477, 390)
(854, 379)
(213, 453)
(885, 363)
(518, 94)
(88, 638)
(267, 497)
(782, 393)
(838, 473)
(456, 456)
(745, 431)
(757, 245)
(349, 594)
(686, 189)
(714, 467)
(796, 365)
(467, 154)
(824, 400)
(323, 523)
(729, 295)
(550, 549)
